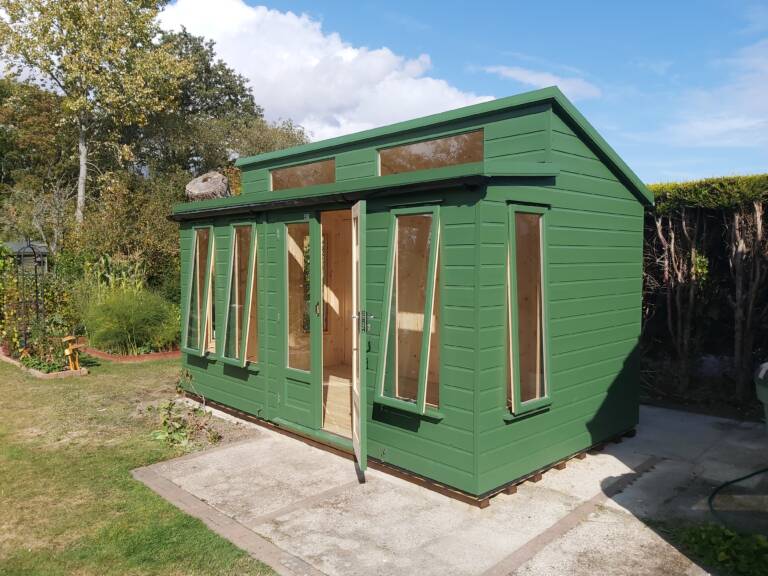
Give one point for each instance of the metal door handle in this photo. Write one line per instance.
(317, 309)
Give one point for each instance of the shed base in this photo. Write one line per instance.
(481, 501)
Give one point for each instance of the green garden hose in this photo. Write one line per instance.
(714, 493)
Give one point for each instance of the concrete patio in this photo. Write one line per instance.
(302, 510)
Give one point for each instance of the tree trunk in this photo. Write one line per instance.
(82, 146)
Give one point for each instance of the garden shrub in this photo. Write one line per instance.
(33, 332)
(132, 321)
(730, 551)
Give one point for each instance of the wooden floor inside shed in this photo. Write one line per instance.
(337, 399)
(337, 322)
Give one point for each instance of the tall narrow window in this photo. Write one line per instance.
(209, 339)
(526, 335)
(298, 251)
(411, 343)
(238, 289)
(200, 313)
(252, 338)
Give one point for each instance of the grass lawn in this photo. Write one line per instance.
(68, 504)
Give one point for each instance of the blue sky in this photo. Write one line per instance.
(680, 89)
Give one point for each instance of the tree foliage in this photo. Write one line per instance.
(710, 193)
(37, 167)
(216, 120)
(101, 56)
(708, 251)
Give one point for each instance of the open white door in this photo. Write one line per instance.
(359, 335)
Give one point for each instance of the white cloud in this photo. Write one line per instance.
(574, 87)
(733, 114)
(299, 71)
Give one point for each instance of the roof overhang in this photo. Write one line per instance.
(472, 176)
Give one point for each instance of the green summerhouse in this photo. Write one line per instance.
(457, 297)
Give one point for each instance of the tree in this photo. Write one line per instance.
(101, 56)
(37, 168)
(735, 207)
(681, 234)
(32, 137)
(216, 120)
(748, 264)
(39, 208)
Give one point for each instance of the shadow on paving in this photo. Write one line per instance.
(694, 455)
(303, 511)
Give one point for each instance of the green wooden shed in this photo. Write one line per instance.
(457, 297)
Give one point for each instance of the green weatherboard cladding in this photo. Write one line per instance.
(538, 152)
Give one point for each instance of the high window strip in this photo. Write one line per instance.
(410, 357)
(303, 175)
(436, 153)
(527, 384)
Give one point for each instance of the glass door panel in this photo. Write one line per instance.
(299, 296)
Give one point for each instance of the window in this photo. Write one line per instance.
(311, 174)
(526, 321)
(298, 256)
(252, 322)
(437, 153)
(410, 357)
(241, 317)
(200, 334)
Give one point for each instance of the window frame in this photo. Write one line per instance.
(253, 261)
(202, 351)
(517, 407)
(308, 219)
(419, 407)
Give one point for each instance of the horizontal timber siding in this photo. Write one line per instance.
(442, 450)
(594, 244)
(241, 388)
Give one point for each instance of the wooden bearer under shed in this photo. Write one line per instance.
(455, 298)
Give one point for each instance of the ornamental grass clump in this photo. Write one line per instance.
(133, 321)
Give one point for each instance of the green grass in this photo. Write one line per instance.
(68, 504)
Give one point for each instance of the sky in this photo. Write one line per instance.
(678, 88)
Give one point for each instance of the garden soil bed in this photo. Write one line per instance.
(129, 359)
(38, 373)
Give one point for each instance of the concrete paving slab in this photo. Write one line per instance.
(259, 477)
(610, 543)
(679, 435)
(305, 509)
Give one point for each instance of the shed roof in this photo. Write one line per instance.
(551, 94)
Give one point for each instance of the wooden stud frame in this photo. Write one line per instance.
(519, 407)
(249, 295)
(201, 350)
(387, 338)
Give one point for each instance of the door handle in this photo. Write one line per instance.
(317, 309)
